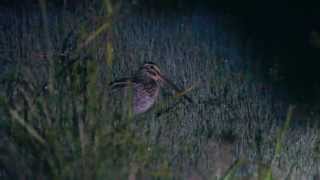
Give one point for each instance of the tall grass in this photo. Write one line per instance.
(67, 131)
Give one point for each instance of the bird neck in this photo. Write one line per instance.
(142, 78)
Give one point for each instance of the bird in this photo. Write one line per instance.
(145, 87)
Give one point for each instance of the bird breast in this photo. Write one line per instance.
(144, 97)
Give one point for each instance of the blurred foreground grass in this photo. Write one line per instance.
(55, 109)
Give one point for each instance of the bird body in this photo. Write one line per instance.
(145, 95)
(144, 87)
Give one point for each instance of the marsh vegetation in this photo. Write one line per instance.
(55, 120)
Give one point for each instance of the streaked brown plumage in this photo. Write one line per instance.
(145, 87)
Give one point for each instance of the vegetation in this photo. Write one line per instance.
(56, 120)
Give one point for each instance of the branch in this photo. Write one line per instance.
(14, 114)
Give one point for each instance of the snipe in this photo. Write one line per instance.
(145, 86)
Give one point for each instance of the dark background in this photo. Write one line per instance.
(281, 32)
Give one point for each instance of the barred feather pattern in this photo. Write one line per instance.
(144, 93)
(145, 96)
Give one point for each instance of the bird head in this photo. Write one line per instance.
(152, 71)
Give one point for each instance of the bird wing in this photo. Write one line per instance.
(121, 83)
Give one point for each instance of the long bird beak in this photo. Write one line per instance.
(173, 86)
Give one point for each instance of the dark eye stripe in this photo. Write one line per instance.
(152, 72)
(155, 69)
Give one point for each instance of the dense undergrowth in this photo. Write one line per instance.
(55, 118)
